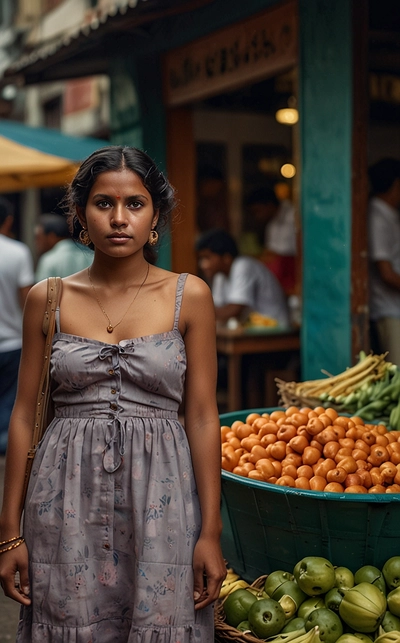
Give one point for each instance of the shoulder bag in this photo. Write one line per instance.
(42, 403)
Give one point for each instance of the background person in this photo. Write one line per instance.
(384, 255)
(239, 284)
(59, 254)
(273, 222)
(16, 278)
(122, 516)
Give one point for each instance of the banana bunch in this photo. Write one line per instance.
(232, 581)
(300, 637)
(370, 389)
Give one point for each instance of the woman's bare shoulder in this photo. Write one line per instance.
(196, 293)
(35, 307)
(167, 279)
(197, 288)
(37, 294)
(197, 302)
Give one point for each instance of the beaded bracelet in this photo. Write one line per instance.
(13, 546)
(10, 540)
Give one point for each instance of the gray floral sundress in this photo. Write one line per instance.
(112, 513)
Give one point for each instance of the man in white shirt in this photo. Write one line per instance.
(239, 284)
(384, 254)
(16, 278)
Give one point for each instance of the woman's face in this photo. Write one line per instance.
(119, 213)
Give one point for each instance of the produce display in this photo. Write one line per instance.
(314, 449)
(370, 389)
(316, 603)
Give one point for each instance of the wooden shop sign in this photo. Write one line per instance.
(238, 55)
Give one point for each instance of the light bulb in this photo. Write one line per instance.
(288, 170)
(287, 116)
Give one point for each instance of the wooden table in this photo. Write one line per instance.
(235, 343)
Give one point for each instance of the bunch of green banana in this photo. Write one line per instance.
(370, 389)
(369, 369)
(299, 637)
(232, 581)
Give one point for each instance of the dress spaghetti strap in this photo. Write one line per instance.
(178, 299)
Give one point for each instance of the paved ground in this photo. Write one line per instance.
(8, 609)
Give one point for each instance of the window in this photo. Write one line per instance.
(52, 112)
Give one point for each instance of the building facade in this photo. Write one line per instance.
(197, 83)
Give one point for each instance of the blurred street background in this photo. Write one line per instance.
(297, 97)
(240, 103)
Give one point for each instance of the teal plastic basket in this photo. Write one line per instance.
(268, 527)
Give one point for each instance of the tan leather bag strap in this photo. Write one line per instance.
(49, 324)
(42, 402)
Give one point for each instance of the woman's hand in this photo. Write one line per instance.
(209, 571)
(12, 562)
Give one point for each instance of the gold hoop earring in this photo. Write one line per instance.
(84, 237)
(153, 237)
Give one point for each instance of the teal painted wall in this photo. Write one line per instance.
(326, 131)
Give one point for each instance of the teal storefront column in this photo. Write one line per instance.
(325, 100)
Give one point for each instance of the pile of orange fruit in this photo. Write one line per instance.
(315, 449)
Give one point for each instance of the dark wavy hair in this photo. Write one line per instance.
(113, 159)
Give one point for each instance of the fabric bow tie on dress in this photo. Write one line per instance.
(115, 445)
(109, 350)
(115, 437)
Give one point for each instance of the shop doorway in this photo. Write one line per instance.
(238, 148)
(222, 92)
(243, 154)
(224, 141)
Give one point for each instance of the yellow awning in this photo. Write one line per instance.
(37, 157)
(22, 168)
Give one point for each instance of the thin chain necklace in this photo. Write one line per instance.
(110, 327)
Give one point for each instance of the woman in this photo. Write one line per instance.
(121, 522)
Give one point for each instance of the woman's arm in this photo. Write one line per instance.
(19, 442)
(203, 431)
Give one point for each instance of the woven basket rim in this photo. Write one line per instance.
(228, 633)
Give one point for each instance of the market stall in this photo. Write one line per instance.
(311, 498)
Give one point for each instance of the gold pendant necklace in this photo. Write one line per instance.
(110, 327)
